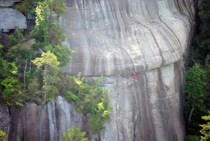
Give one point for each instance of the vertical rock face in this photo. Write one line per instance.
(56, 117)
(4, 118)
(150, 109)
(113, 38)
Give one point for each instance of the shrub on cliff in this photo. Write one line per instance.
(88, 99)
(27, 6)
(198, 76)
(73, 134)
(205, 128)
(3, 136)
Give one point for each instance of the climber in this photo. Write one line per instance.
(135, 76)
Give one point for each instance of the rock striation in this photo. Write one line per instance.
(113, 38)
(117, 37)
(56, 117)
(4, 118)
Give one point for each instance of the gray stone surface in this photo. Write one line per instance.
(11, 19)
(150, 109)
(113, 38)
(57, 117)
(117, 37)
(4, 118)
(8, 3)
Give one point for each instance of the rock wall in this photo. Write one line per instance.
(113, 38)
(150, 109)
(11, 19)
(4, 118)
(56, 118)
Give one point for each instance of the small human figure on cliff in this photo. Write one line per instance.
(135, 76)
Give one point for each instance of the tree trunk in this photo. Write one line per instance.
(45, 83)
(191, 112)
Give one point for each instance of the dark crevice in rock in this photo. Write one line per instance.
(57, 120)
(197, 20)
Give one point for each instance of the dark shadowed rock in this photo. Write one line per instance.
(4, 118)
(8, 3)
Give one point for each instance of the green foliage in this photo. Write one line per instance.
(194, 87)
(24, 78)
(98, 119)
(16, 37)
(198, 76)
(205, 9)
(48, 58)
(207, 72)
(19, 104)
(89, 99)
(51, 70)
(62, 52)
(8, 83)
(19, 34)
(11, 92)
(200, 48)
(13, 40)
(70, 96)
(48, 33)
(73, 134)
(3, 136)
(195, 104)
(192, 138)
(27, 6)
(206, 128)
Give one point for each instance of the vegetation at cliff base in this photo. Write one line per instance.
(197, 86)
(73, 134)
(3, 136)
(205, 131)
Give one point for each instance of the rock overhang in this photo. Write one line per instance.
(117, 37)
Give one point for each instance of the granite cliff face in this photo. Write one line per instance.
(113, 38)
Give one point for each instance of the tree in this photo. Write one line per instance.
(50, 64)
(89, 99)
(207, 80)
(27, 6)
(48, 33)
(195, 96)
(73, 134)
(205, 9)
(3, 136)
(192, 138)
(9, 84)
(206, 128)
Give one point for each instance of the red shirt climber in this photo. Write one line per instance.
(135, 76)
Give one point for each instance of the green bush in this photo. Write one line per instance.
(73, 134)
(88, 99)
(27, 6)
(3, 136)
(192, 138)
